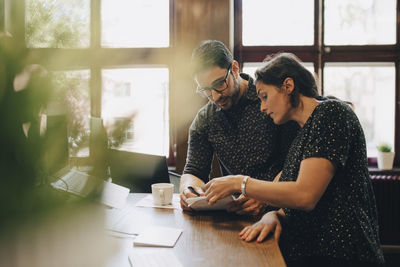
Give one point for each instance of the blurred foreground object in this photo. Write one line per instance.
(67, 237)
(39, 226)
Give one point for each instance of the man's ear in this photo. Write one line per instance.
(235, 68)
(288, 85)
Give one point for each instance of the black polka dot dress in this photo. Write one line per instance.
(344, 223)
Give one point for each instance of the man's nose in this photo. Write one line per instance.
(215, 95)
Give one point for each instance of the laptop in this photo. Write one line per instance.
(65, 178)
(137, 171)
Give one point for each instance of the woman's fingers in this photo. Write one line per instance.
(207, 185)
(260, 231)
(254, 232)
(245, 232)
(264, 232)
(278, 231)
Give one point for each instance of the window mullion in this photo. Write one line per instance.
(319, 42)
(14, 19)
(95, 21)
(95, 69)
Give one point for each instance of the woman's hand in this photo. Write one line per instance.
(221, 187)
(269, 223)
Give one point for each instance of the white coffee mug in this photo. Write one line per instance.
(162, 193)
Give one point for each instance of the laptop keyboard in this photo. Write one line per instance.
(75, 182)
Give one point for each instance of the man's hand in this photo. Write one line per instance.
(244, 205)
(269, 223)
(187, 193)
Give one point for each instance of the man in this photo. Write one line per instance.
(245, 140)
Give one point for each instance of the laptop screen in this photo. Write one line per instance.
(137, 171)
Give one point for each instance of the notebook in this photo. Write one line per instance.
(158, 236)
(200, 203)
(137, 171)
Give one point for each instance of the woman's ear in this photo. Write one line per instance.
(288, 85)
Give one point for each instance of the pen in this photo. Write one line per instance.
(193, 191)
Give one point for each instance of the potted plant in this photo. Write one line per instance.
(385, 156)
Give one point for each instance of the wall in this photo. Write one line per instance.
(195, 20)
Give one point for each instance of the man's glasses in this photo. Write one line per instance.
(219, 86)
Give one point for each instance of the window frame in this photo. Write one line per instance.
(95, 57)
(319, 54)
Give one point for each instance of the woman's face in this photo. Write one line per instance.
(275, 102)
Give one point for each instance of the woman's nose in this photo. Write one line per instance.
(263, 107)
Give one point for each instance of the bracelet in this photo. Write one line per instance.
(244, 186)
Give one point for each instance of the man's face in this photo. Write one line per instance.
(226, 92)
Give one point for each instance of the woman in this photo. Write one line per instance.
(328, 213)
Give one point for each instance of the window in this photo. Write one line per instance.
(57, 23)
(146, 105)
(139, 23)
(291, 27)
(352, 45)
(109, 59)
(71, 93)
(370, 87)
(359, 22)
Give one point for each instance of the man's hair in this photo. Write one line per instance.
(208, 54)
(286, 65)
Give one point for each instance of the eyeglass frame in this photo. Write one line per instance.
(207, 91)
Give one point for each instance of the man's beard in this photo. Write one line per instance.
(236, 93)
(234, 97)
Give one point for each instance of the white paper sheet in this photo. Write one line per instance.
(158, 236)
(148, 202)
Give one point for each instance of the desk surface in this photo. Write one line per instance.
(208, 238)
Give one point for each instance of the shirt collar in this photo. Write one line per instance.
(250, 93)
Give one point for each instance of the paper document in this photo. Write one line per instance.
(200, 203)
(157, 236)
(114, 195)
(153, 258)
(122, 220)
(148, 202)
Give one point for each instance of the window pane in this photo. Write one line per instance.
(284, 22)
(135, 23)
(143, 94)
(72, 95)
(251, 67)
(371, 88)
(360, 22)
(57, 23)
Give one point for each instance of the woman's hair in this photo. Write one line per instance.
(286, 65)
(208, 54)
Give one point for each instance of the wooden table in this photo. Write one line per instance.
(208, 238)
